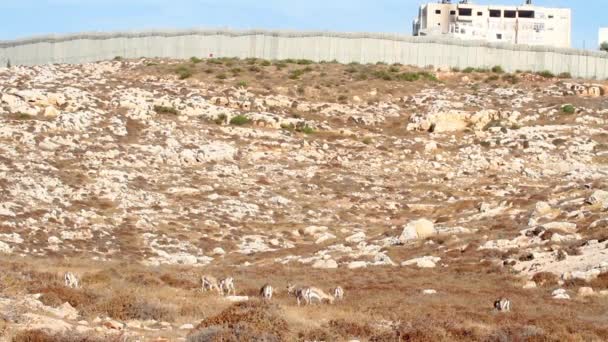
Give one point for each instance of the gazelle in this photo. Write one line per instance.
(301, 293)
(502, 304)
(337, 292)
(209, 283)
(227, 286)
(266, 292)
(71, 280)
(308, 294)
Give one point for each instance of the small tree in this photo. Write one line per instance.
(604, 46)
(8, 64)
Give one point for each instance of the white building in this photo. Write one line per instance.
(603, 36)
(525, 24)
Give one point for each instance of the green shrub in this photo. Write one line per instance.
(236, 71)
(289, 61)
(118, 58)
(393, 69)
(482, 70)
(288, 127)
(564, 75)
(183, 72)
(239, 120)
(383, 75)
(367, 140)
(251, 61)
(498, 69)
(209, 71)
(166, 110)
(351, 70)
(342, 98)
(195, 60)
(513, 79)
(23, 116)
(295, 74)
(266, 63)
(492, 78)
(568, 109)
(280, 65)
(409, 76)
(254, 68)
(545, 74)
(455, 69)
(361, 77)
(307, 130)
(242, 84)
(304, 62)
(468, 70)
(604, 46)
(221, 76)
(427, 75)
(8, 64)
(215, 61)
(220, 119)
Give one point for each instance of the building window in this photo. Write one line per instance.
(499, 36)
(495, 13)
(479, 14)
(437, 11)
(526, 14)
(510, 14)
(465, 12)
(452, 12)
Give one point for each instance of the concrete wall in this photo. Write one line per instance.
(603, 36)
(318, 46)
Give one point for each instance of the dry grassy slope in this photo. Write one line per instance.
(134, 179)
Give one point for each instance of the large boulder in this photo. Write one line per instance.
(599, 198)
(418, 229)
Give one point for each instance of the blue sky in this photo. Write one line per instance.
(23, 18)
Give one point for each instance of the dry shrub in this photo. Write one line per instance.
(128, 307)
(601, 282)
(317, 334)
(57, 295)
(545, 279)
(144, 279)
(102, 277)
(245, 320)
(180, 283)
(350, 329)
(43, 336)
(237, 333)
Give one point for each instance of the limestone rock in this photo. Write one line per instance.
(418, 229)
(600, 198)
(325, 264)
(356, 264)
(585, 291)
(422, 262)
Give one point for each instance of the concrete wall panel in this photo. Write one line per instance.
(317, 46)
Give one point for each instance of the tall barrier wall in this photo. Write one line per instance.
(317, 46)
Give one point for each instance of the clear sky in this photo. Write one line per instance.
(24, 18)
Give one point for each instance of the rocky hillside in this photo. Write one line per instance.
(425, 194)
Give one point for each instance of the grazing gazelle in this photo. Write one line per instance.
(502, 304)
(227, 286)
(209, 283)
(308, 294)
(301, 293)
(337, 292)
(266, 292)
(71, 280)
